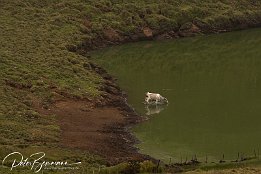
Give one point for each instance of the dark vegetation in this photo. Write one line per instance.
(37, 64)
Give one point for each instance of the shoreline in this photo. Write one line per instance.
(189, 29)
(117, 98)
(99, 126)
(117, 143)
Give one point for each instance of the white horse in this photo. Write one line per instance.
(151, 97)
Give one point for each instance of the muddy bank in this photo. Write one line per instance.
(99, 126)
(120, 145)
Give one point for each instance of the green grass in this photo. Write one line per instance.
(35, 64)
(248, 163)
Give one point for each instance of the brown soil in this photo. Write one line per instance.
(99, 127)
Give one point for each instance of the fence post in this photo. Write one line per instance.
(158, 166)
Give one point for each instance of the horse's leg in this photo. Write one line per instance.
(147, 99)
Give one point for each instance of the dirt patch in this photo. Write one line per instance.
(111, 35)
(147, 32)
(99, 130)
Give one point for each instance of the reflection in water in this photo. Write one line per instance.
(154, 109)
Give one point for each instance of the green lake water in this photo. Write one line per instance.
(213, 84)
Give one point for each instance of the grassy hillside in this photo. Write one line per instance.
(37, 67)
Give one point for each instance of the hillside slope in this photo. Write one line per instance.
(39, 38)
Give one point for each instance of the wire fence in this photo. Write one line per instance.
(195, 160)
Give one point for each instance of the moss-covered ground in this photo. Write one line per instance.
(35, 64)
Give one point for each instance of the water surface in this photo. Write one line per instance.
(213, 84)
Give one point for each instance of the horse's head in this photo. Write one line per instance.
(147, 94)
